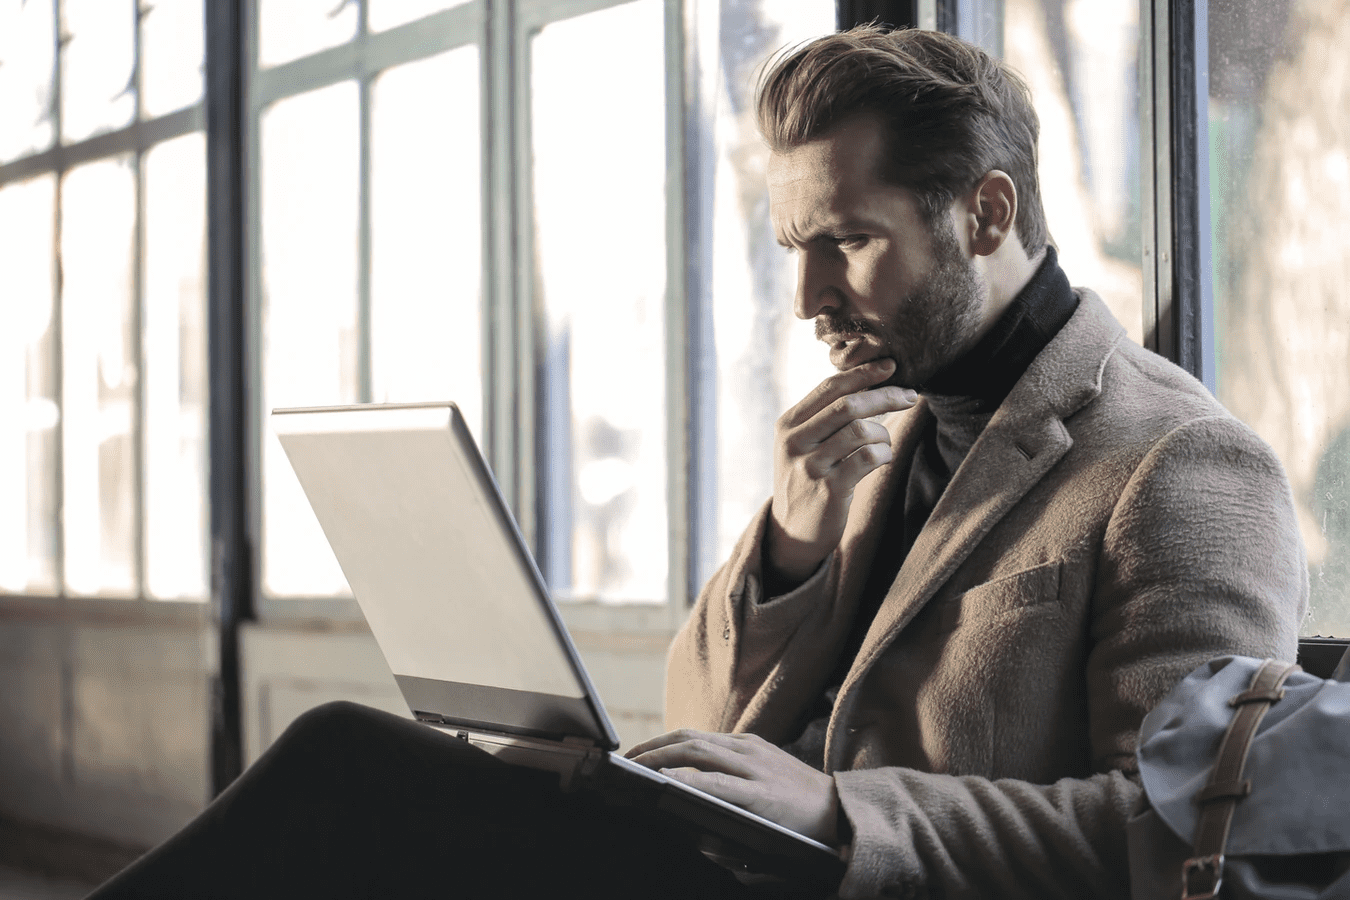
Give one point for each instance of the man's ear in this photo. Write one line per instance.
(994, 205)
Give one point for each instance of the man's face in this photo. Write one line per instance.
(877, 277)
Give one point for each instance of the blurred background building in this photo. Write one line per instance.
(552, 212)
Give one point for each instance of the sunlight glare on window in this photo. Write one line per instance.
(766, 359)
(27, 49)
(1279, 182)
(173, 323)
(310, 176)
(385, 14)
(27, 404)
(599, 181)
(172, 55)
(1088, 154)
(290, 29)
(97, 93)
(426, 325)
(99, 374)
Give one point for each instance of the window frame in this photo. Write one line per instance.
(135, 140)
(1178, 285)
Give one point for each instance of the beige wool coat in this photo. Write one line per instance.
(1111, 529)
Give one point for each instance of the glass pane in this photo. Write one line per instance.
(98, 48)
(601, 247)
(173, 335)
(27, 50)
(99, 372)
(28, 513)
(1278, 175)
(290, 29)
(310, 180)
(388, 13)
(1080, 60)
(426, 322)
(767, 359)
(172, 55)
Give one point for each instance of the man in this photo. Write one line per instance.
(933, 647)
(954, 622)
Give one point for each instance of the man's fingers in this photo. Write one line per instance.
(679, 735)
(844, 411)
(700, 753)
(853, 468)
(660, 740)
(839, 385)
(824, 460)
(731, 788)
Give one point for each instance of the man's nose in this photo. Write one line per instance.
(815, 292)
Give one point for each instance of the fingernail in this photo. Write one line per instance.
(910, 395)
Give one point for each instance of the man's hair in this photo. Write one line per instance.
(952, 113)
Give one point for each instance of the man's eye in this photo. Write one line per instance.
(850, 241)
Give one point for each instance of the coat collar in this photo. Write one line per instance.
(1022, 442)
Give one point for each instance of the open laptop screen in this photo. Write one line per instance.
(438, 568)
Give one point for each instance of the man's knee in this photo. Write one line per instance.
(336, 717)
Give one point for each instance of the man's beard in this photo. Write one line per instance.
(933, 325)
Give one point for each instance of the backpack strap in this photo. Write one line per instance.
(1202, 874)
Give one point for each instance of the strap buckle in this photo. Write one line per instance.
(1201, 877)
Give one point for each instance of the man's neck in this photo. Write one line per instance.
(989, 369)
(1005, 273)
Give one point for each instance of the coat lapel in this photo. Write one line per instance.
(1023, 441)
(1007, 460)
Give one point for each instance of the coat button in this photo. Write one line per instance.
(726, 632)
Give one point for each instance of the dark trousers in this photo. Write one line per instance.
(353, 802)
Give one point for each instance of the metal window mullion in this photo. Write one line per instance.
(138, 475)
(364, 80)
(526, 301)
(363, 315)
(1177, 257)
(1156, 135)
(251, 137)
(58, 312)
(897, 13)
(367, 54)
(682, 315)
(1191, 238)
(231, 389)
(1154, 203)
(699, 182)
(136, 136)
(497, 211)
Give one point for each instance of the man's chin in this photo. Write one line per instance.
(898, 378)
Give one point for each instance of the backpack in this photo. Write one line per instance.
(1246, 775)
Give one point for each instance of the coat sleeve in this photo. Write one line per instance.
(734, 640)
(1201, 558)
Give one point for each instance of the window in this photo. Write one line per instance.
(764, 359)
(1279, 180)
(448, 208)
(1278, 172)
(598, 181)
(367, 248)
(1079, 58)
(102, 211)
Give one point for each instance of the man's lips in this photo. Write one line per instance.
(848, 351)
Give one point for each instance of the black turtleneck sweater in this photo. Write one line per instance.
(962, 397)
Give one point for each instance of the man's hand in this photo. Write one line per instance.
(823, 447)
(748, 771)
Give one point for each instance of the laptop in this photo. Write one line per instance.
(476, 644)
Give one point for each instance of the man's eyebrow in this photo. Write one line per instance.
(829, 230)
